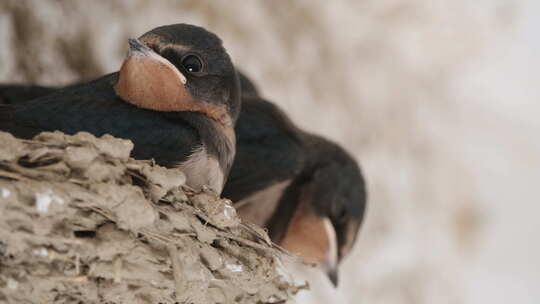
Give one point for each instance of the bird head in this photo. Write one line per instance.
(331, 205)
(180, 67)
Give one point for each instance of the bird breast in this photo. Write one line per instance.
(202, 169)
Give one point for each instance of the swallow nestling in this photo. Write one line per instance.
(176, 96)
(306, 190)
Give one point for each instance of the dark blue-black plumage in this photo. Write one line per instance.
(170, 138)
(96, 109)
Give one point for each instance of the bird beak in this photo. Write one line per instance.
(330, 265)
(148, 80)
(333, 276)
(313, 238)
(136, 46)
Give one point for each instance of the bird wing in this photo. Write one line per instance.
(96, 109)
(268, 150)
(14, 93)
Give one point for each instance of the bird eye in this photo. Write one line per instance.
(192, 64)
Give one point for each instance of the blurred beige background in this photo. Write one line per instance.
(438, 100)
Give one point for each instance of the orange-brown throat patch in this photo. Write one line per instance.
(309, 237)
(151, 82)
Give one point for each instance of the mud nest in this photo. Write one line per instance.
(81, 222)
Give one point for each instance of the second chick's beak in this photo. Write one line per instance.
(149, 81)
(330, 265)
(313, 238)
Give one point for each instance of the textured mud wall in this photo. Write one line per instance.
(437, 99)
(82, 223)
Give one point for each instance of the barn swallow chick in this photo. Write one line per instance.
(176, 96)
(306, 190)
